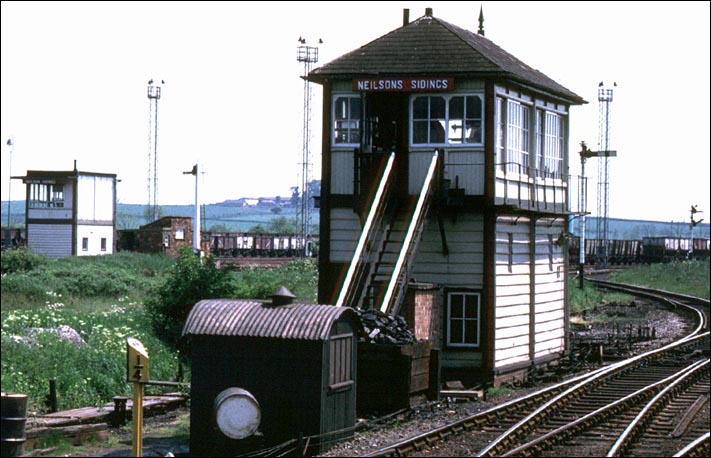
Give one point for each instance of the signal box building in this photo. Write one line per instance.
(70, 213)
(445, 164)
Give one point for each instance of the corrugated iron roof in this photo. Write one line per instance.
(431, 46)
(244, 318)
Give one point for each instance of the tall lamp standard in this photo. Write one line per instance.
(8, 235)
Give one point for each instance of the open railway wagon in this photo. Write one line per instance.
(252, 244)
(668, 249)
(619, 251)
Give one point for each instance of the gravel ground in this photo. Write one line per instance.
(602, 323)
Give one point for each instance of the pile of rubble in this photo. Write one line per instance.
(385, 329)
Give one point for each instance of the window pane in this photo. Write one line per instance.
(419, 108)
(456, 107)
(456, 303)
(436, 132)
(471, 307)
(456, 132)
(341, 108)
(437, 107)
(473, 132)
(419, 132)
(456, 332)
(355, 108)
(470, 332)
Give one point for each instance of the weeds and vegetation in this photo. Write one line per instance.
(90, 371)
(300, 277)
(493, 391)
(104, 300)
(87, 281)
(589, 296)
(686, 277)
(187, 282)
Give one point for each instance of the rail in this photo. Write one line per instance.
(398, 280)
(359, 265)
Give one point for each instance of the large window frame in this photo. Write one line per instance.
(530, 139)
(453, 120)
(347, 116)
(46, 195)
(463, 319)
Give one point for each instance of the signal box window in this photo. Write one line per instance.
(46, 195)
(347, 114)
(463, 316)
(452, 120)
(85, 244)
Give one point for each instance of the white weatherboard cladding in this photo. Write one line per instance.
(465, 168)
(530, 290)
(53, 240)
(345, 230)
(94, 234)
(550, 288)
(95, 198)
(464, 265)
(342, 171)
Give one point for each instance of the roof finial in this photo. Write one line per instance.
(481, 20)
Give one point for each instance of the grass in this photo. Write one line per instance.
(686, 277)
(102, 299)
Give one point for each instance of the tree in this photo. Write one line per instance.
(218, 228)
(189, 281)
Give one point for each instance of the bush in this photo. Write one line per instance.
(300, 277)
(21, 260)
(188, 282)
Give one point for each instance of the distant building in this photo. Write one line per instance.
(164, 235)
(70, 213)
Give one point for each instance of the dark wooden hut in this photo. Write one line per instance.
(297, 360)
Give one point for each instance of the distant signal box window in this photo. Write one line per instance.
(46, 195)
(347, 114)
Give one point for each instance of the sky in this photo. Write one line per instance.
(74, 88)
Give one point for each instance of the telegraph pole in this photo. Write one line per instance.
(585, 153)
(8, 234)
(197, 237)
(693, 225)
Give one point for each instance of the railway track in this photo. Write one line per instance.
(647, 405)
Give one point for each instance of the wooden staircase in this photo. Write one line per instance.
(380, 269)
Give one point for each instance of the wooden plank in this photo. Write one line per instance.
(84, 415)
(76, 434)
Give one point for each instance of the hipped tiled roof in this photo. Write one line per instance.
(432, 47)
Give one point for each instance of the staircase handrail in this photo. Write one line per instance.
(375, 209)
(415, 224)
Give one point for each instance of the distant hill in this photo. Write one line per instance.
(236, 217)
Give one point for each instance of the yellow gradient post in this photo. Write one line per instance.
(137, 373)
